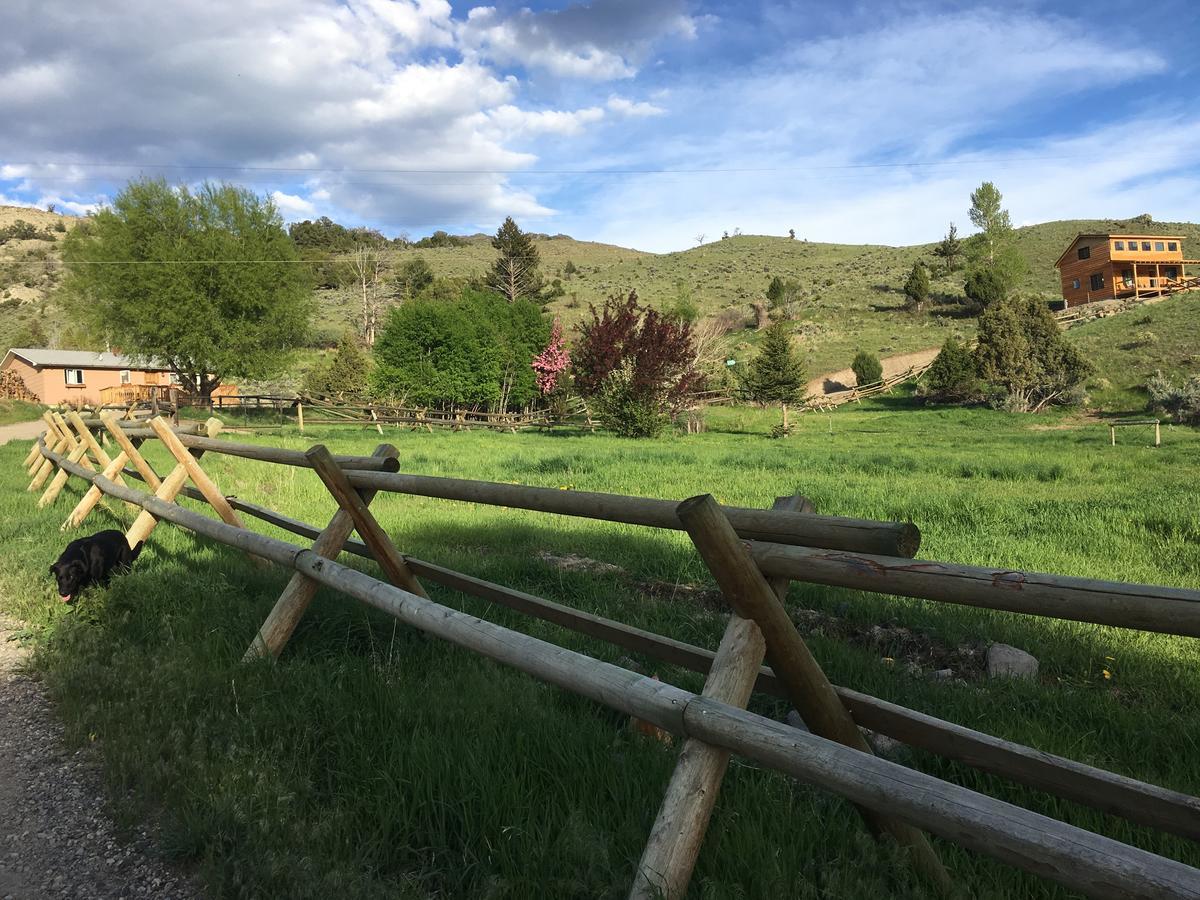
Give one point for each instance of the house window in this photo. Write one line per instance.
(1097, 281)
(126, 378)
(1171, 273)
(1085, 252)
(74, 376)
(1075, 284)
(1145, 245)
(173, 378)
(1127, 277)
(1172, 246)
(1160, 246)
(1120, 245)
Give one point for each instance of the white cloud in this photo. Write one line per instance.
(292, 206)
(624, 107)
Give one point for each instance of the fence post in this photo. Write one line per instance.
(60, 477)
(44, 466)
(740, 580)
(300, 415)
(674, 843)
(89, 500)
(168, 489)
(281, 622)
(365, 523)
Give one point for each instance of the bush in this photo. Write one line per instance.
(657, 350)
(1181, 403)
(985, 287)
(345, 374)
(916, 288)
(473, 350)
(953, 377)
(625, 409)
(867, 368)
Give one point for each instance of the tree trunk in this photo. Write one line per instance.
(785, 422)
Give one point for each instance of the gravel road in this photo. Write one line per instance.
(56, 840)
(22, 431)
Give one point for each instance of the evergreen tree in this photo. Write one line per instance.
(867, 368)
(985, 287)
(514, 274)
(776, 374)
(916, 289)
(949, 250)
(953, 377)
(783, 294)
(413, 277)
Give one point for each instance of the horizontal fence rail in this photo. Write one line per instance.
(1096, 865)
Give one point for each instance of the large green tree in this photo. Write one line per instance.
(514, 274)
(776, 374)
(993, 248)
(916, 288)
(205, 281)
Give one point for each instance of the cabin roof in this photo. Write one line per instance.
(80, 359)
(1114, 235)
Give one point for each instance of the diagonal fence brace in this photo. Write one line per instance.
(289, 609)
(810, 691)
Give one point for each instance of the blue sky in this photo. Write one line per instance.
(646, 123)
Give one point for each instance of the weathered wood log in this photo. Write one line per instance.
(785, 527)
(367, 526)
(810, 691)
(131, 452)
(93, 494)
(1095, 865)
(1146, 607)
(60, 478)
(280, 455)
(45, 467)
(285, 615)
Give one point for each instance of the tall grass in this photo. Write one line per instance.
(373, 761)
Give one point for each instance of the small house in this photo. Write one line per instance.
(1110, 266)
(80, 377)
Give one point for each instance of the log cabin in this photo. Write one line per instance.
(1109, 266)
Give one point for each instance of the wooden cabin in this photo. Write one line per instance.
(1109, 266)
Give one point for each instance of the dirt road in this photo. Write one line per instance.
(842, 379)
(22, 431)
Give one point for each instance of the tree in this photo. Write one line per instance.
(990, 218)
(365, 270)
(1022, 354)
(550, 364)
(413, 277)
(949, 250)
(783, 295)
(776, 374)
(514, 274)
(206, 282)
(637, 364)
(985, 287)
(953, 377)
(792, 233)
(345, 374)
(700, 239)
(916, 289)
(867, 368)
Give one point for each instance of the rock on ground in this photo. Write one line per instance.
(1004, 661)
(56, 839)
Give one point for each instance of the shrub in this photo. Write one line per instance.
(657, 350)
(867, 368)
(985, 287)
(414, 276)
(953, 377)
(626, 410)
(345, 374)
(1181, 403)
(916, 288)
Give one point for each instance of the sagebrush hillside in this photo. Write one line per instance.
(851, 294)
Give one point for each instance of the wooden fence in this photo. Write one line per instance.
(822, 402)
(753, 555)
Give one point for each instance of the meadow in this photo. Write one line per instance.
(374, 762)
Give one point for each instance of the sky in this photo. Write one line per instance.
(654, 124)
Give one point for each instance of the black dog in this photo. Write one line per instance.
(92, 560)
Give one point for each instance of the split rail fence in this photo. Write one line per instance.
(753, 554)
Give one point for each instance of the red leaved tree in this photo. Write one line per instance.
(551, 362)
(636, 363)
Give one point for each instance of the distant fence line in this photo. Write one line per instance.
(786, 542)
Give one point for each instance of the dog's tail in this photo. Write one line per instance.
(133, 554)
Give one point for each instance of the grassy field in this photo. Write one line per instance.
(374, 762)
(18, 411)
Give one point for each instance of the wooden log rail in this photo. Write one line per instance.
(1136, 801)
(1083, 861)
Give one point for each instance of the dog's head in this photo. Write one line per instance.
(70, 575)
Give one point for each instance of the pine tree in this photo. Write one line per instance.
(776, 374)
(515, 273)
(949, 250)
(867, 368)
(916, 289)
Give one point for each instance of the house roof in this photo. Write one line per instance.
(80, 359)
(1110, 235)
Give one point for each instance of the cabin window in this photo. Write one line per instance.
(1172, 246)
(1145, 245)
(1160, 246)
(1075, 284)
(1119, 245)
(126, 377)
(73, 376)
(1085, 252)
(1127, 277)
(1097, 281)
(1171, 273)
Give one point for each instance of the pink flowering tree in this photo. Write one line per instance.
(550, 363)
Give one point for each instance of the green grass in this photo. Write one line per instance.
(1129, 348)
(373, 761)
(13, 411)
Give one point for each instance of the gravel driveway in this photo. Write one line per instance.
(22, 431)
(56, 840)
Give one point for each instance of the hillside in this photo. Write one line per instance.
(851, 294)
